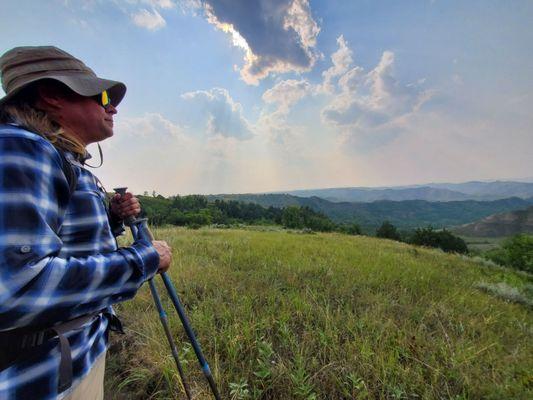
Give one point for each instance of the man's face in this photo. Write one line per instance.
(87, 119)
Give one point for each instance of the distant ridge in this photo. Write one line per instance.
(504, 224)
(474, 190)
(368, 195)
(405, 214)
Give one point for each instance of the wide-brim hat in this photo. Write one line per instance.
(21, 66)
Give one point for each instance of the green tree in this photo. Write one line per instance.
(444, 240)
(176, 217)
(520, 250)
(351, 229)
(515, 252)
(292, 218)
(388, 231)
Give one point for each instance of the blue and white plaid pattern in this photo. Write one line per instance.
(58, 260)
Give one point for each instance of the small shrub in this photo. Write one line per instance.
(507, 292)
(295, 217)
(516, 252)
(239, 390)
(443, 240)
(388, 231)
(351, 229)
(194, 226)
(520, 252)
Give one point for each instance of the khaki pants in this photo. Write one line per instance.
(92, 386)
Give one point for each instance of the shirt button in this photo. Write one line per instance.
(25, 249)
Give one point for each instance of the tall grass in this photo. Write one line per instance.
(326, 316)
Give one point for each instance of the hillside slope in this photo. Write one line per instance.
(497, 225)
(285, 315)
(406, 214)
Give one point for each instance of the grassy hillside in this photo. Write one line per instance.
(300, 316)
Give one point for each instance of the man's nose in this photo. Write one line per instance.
(110, 109)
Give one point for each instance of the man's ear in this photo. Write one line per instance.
(49, 97)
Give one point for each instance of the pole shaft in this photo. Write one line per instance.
(192, 337)
(164, 321)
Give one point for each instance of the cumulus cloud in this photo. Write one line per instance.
(287, 93)
(274, 124)
(277, 36)
(138, 141)
(87, 5)
(80, 23)
(143, 13)
(223, 115)
(150, 20)
(369, 102)
(167, 4)
(151, 126)
(364, 108)
(341, 59)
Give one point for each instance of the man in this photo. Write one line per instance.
(60, 268)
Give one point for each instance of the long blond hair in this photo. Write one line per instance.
(21, 110)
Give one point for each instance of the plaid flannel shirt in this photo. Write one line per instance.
(58, 260)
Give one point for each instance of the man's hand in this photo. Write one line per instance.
(165, 255)
(125, 206)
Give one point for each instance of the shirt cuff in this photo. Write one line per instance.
(149, 257)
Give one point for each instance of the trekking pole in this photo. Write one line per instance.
(143, 232)
(130, 221)
(187, 326)
(164, 322)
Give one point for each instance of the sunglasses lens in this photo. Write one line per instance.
(105, 98)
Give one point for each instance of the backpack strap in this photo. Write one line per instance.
(68, 170)
(65, 363)
(16, 130)
(16, 341)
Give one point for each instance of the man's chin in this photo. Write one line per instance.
(108, 133)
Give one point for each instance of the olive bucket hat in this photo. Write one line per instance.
(21, 66)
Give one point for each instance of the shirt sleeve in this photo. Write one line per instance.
(37, 288)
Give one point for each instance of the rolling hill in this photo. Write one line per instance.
(392, 194)
(407, 214)
(497, 225)
(481, 191)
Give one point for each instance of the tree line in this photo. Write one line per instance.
(195, 211)
(426, 236)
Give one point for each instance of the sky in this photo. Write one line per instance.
(239, 96)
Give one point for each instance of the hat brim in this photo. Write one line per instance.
(83, 85)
